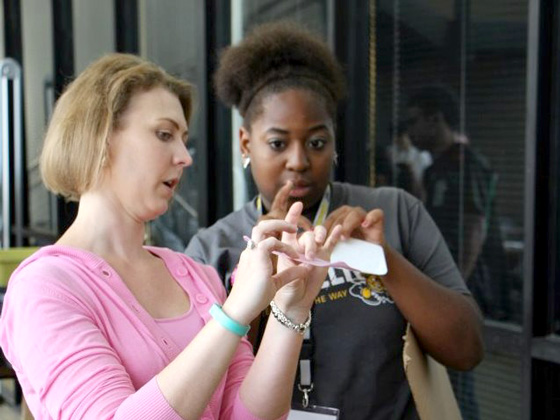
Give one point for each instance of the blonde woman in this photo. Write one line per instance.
(98, 326)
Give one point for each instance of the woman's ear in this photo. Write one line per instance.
(244, 141)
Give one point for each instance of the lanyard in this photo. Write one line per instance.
(305, 384)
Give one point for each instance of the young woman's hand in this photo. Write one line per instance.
(357, 223)
(256, 281)
(281, 204)
(296, 298)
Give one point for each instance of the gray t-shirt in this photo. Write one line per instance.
(357, 329)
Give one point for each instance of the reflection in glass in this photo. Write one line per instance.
(476, 53)
(450, 82)
(313, 14)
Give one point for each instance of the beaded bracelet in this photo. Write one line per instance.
(285, 321)
(225, 321)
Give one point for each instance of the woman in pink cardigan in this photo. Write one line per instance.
(99, 326)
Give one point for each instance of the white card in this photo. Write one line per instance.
(313, 412)
(361, 255)
(304, 415)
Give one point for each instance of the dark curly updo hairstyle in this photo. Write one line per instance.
(273, 58)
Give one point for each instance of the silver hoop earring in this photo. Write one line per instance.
(246, 161)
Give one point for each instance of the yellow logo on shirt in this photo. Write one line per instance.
(368, 288)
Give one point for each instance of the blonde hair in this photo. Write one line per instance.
(75, 145)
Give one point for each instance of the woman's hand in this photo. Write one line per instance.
(357, 223)
(255, 281)
(296, 298)
(281, 204)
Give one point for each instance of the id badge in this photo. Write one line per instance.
(313, 412)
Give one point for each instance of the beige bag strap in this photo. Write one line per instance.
(429, 383)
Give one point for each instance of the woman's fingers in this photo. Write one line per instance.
(289, 275)
(304, 223)
(307, 242)
(372, 218)
(333, 239)
(337, 217)
(294, 212)
(350, 218)
(279, 207)
(267, 228)
(270, 245)
(292, 216)
(280, 202)
(330, 220)
(320, 234)
(373, 227)
(352, 221)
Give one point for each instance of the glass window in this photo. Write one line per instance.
(314, 14)
(495, 116)
(170, 36)
(450, 128)
(173, 37)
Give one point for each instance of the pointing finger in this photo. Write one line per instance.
(280, 201)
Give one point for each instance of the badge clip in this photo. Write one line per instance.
(306, 390)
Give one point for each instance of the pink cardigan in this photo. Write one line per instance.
(83, 347)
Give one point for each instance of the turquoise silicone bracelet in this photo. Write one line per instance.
(225, 321)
